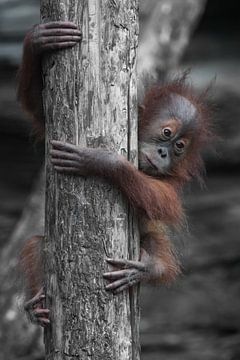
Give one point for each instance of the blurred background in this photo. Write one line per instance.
(198, 318)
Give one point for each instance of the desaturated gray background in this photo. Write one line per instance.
(198, 318)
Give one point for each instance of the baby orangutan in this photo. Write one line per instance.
(173, 129)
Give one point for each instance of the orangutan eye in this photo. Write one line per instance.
(179, 146)
(167, 133)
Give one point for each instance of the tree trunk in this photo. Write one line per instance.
(90, 99)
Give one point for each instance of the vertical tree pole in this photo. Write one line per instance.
(90, 99)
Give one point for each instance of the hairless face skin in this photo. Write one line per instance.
(173, 128)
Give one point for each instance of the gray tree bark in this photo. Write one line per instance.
(90, 99)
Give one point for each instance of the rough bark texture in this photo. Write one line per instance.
(166, 26)
(90, 99)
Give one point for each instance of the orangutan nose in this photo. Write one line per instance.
(162, 152)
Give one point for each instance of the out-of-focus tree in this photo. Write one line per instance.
(165, 32)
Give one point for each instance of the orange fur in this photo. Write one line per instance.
(165, 264)
(155, 240)
(29, 92)
(31, 263)
(152, 197)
